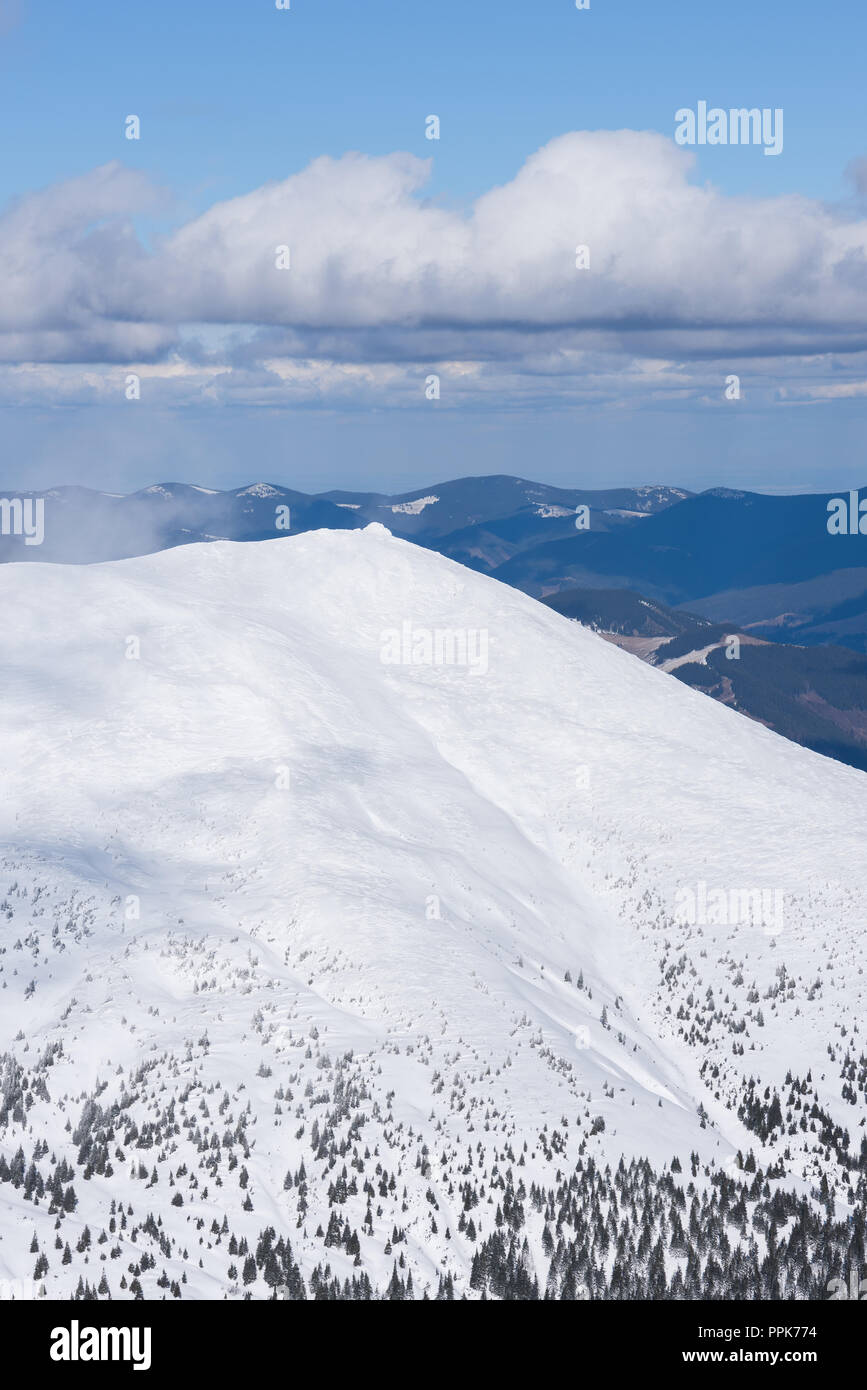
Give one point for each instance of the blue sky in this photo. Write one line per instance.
(236, 96)
(234, 93)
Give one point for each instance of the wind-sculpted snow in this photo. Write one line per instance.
(319, 949)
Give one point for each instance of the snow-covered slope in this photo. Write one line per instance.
(289, 898)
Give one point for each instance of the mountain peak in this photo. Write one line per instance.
(404, 859)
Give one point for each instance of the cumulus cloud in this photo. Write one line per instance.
(384, 283)
(66, 257)
(367, 252)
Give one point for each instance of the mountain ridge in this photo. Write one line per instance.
(381, 912)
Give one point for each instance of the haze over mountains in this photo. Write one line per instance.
(764, 567)
(334, 967)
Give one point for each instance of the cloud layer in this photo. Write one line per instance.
(386, 287)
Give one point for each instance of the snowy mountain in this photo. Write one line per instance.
(360, 914)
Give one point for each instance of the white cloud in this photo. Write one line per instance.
(367, 253)
(67, 254)
(384, 284)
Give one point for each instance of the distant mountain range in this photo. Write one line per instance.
(479, 521)
(764, 567)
